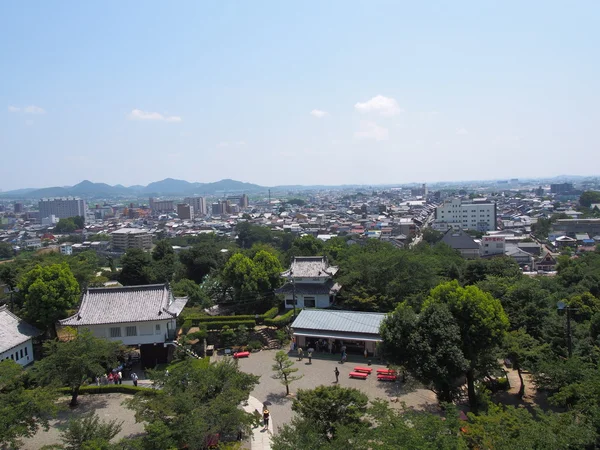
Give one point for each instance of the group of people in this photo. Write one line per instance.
(114, 377)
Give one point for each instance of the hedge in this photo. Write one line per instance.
(196, 319)
(270, 314)
(283, 320)
(233, 324)
(110, 389)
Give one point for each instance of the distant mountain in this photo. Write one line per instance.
(168, 186)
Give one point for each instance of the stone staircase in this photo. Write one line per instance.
(187, 350)
(267, 335)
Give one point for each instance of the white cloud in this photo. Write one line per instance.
(138, 114)
(31, 109)
(384, 106)
(370, 130)
(461, 131)
(318, 113)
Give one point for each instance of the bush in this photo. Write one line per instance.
(255, 345)
(281, 321)
(198, 318)
(185, 327)
(111, 389)
(270, 314)
(230, 323)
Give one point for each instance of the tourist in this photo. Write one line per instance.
(337, 375)
(134, 377)
(266, 415)
(120, 377)
(310, 353)
(300, 354)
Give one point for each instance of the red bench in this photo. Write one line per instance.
(366, 370)
(241, 354)
(382, 377)
(360, 375)
(386, 371)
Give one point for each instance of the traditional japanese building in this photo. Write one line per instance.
(310, 283)
(142, 316)
(16, 338)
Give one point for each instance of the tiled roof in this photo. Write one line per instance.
(14, 331)
(310, 267)
(126, 304)
(459, 240)
(340, 321)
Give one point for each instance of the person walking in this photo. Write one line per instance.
(337, 375)
(120, 375)
(310, 353)
(266, 416)
(134, 377)
(300, 354)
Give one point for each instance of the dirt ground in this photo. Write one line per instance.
(106, 406)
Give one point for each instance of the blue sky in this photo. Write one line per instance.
(297, 92)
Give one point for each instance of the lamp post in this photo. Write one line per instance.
(564, 307)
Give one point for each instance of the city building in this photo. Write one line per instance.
(492, 245)
(161, 206)
(310, 281)
(198, 203)
(125, 238)
(16, 338)
(571, 227)
(462, 242)
(62, 207)
(240, 200)
(561, 188)
(66, 248)
(216, 209)
(357, 331)
(18, 207)
(185, 211)
(143, 316)
(467, 215)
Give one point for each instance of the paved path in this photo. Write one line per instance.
(261, 438)
(321, 372)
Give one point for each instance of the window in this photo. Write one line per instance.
(131, 331)
(17, 355)
(21, 353)
(157, 328)
(115, 332)
(309, 302)
(25, 351)
(289, 302)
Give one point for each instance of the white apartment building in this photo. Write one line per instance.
(61, 207)
(125, 238)
(198, 203)
(466, 215)
(16, 338)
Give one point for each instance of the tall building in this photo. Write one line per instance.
(161, 206)
(18, 208)
(240, 200)
(185, 211)
(198, 203)
(472, 215)
(561, 188)
(61, 207)
(125, 238)
(216, 209)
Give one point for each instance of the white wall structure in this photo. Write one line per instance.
(466, 215)
(492, 245)
(16, 338)
(310, 278)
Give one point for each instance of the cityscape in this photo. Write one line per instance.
(299, 226)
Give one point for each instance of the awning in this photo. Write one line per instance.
(334, 335)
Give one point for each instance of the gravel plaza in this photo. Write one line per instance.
(321, 372)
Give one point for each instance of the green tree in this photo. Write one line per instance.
(330, 406)
(163, 262)
(432, 236)
(79, 222)
(482, 323)
(284, 370)
(204, 257)
(73, 362)
(249, 234)
(523, 351)
(196, 294)
(23, 408)
(428, 345)
(588, 198)
(136, 267)
(196, 401)
(48, 292)
(88, 430)
(65, 226)
(6, 251)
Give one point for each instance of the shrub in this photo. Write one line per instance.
(229, 323)
(255, 345)
(283, 320)
(270, 314)
(111, 389)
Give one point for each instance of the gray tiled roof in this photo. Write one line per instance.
(126, 304)
(458, 239)
(14, 331)
(310, 267)
(341, 321)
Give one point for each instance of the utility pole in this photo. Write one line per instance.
(562, 306)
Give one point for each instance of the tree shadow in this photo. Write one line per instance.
(86, 404)
(278, 398)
